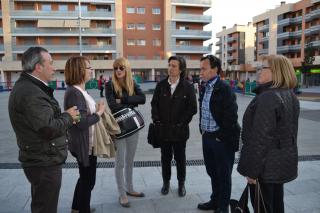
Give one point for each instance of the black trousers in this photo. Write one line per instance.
(219, 160)
(272, 194)
(178, 150)
(101, 91)
(85, 184)
(45, 188)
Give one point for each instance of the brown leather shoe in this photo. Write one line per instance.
(136, 194)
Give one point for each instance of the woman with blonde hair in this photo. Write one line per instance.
(77, 72)
(270, 126)
(122, 92)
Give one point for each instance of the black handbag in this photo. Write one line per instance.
(129, 120)
(153, 135)
(241, 206)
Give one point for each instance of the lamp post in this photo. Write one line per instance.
(80, 31)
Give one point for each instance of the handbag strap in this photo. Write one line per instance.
(257, 201)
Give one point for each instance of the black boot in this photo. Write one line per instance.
(181, 190)
(165, 188)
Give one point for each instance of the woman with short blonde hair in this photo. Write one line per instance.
(270, 131)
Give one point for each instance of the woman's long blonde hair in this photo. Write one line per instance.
(128, 83)
(283, 74)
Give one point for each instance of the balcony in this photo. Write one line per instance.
(191, 34)
(313, 15)
(1, 31)
(190, 49)
(195, 3)
(1, 48)
(219, 51)
(315, 43)
(230, 49)
(314, 1)
(312, 30)
(231, 39)
(82, 1)
(264, 39)
(263, 51)
(286, 35)
(69, 48)
(32, 31)
(230, 58)
(289, 48)
(34, 14)
(263, 28)
(288, 21)
(191, 18)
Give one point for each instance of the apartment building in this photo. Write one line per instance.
(236, 50)
(287, 30)
(146, 32)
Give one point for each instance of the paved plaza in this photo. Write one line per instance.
(301, 195)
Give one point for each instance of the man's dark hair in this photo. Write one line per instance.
(214, 62)
(182, 64)
(31, 57)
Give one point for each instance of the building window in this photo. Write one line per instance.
(131, 42)
(156, 27)
(156, 11)
(46, 7)
(130, 10)
(63, 7)
(156, 42)
(131, 57)
(141, 42)
(183, 27)
(130, 26)
(141, 10)
(141, 26)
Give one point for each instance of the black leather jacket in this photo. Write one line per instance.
(270, 126)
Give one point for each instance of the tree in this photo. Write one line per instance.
(309, 53)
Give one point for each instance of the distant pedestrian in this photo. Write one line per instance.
(270, 127)
(78, 71)
(173, 106)
(40, 129)
(101, 85)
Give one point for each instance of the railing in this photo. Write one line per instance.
(289, 34)
(229, 49)
(191, 18)
(315, 43)
(193, 33)
(263, 28)
(314, 13)
(287, 48)
(218, 43)
(65, 31)
(61, 14)
(186, 48)
(264, 39)
(263, 51)
(68, 48)
(1, 48)
(196, 2)
(230, 39)
(313, 29)
(1, 31)
(288, 21)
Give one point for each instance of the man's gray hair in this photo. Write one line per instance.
(31, 57)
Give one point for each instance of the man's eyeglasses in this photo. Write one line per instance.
(121, 68)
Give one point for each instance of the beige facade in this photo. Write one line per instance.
(236, 50)
(146, 34)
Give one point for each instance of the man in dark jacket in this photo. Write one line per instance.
(220, 132)
(173, 106)
(40, 129)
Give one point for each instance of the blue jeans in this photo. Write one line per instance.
(219, 160)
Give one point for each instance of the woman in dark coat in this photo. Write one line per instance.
(173, 106)
(77, 72)
(270, 125)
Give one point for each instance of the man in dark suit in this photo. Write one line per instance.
(40, 129)
(220, 132)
